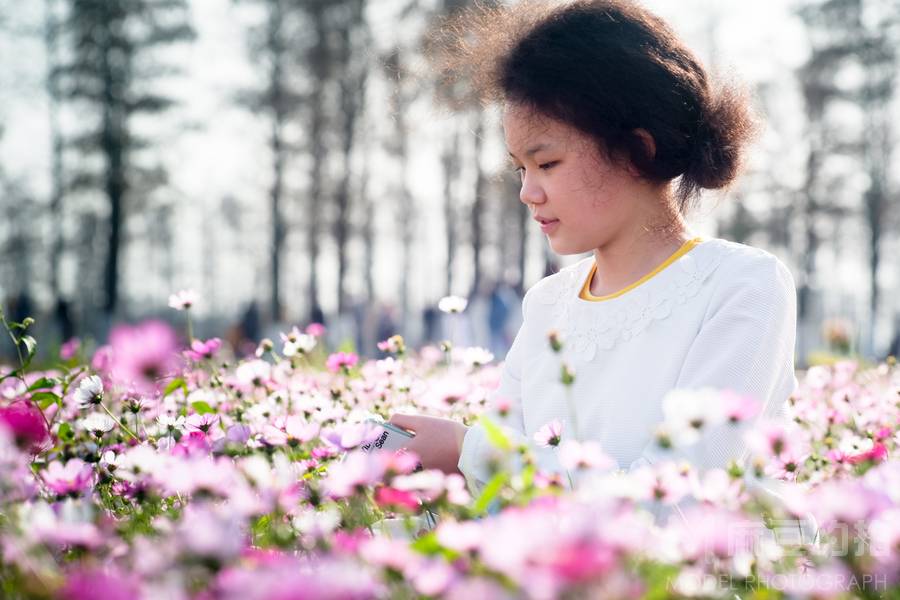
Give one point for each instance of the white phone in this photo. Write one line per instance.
(391, 437)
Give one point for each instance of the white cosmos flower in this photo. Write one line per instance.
(89, 392)
(183, 300)
(302, 344)
(477, 357)
(452, 304)
(98, 423)
(169, 423)
(687, 413)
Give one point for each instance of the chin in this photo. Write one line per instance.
(564, 248)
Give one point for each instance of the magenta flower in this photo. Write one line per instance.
(27, 426)
(143, 354)
(315, 329)
(69, 349)
(74, 478)
(102, 359)
(203, 350)
(340, 361)
(388, 497)
(98, 585)
(877, 453)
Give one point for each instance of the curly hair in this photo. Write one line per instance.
(609, 68)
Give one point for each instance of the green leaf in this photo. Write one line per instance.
(495, 435)
(201, 407)
(28, 322)
(489, 493)
(44, 383)
(658, 579)
(427, 544)
(176, 383)
(65, 432)
(13, 373)
(45, 399)
(30, 345)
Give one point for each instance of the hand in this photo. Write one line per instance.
(438, 442)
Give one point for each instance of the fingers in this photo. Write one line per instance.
(405, 421)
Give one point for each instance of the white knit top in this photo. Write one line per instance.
(721, 315)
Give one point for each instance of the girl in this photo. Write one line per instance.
(614, 127)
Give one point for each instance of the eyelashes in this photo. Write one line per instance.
(519, 170)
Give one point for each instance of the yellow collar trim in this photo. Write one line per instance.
(586, 294)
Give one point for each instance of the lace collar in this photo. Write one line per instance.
(588, 326)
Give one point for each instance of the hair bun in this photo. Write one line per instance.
(726, 125)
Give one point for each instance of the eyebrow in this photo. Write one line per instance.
(533, 150)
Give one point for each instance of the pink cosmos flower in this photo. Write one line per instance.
(202, 422)
(347, 436)
(315, 329)
(502, 405)
(143, 354)
(358, 471)
(69, 349)
(93, 584)
(550, 435)
(340, 361)
(203, 350)
(194, 443)
(388, 497)
(27, 426)
(877, 453)
(575, 455)
(292, 429)
(102, 358)
(582, 559)
(461, 536)
(739, 408)
(75, 477)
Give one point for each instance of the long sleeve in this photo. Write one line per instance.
(477, 450)
(746, 345)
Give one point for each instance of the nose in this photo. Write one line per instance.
(531, 192)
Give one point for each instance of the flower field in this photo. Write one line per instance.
(154, 469)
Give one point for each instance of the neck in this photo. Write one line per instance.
(638, 249)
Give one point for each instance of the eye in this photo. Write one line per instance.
(548, 165)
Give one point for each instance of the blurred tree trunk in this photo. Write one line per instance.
(880, 61)
(450, 163)
(57, 174)
(401, 98)
(478, 204)
(319, 67)
(276, 46)
(278, 101)
(109, 39)
(353, 67)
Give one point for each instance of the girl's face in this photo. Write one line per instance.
(581, 200)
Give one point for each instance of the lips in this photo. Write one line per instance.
(546, 224)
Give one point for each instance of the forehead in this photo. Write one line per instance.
(525, 128)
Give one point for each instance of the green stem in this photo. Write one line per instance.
(190, 326)
(21, 370)
(119, 423)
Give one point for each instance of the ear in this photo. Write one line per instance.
(647, 140)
